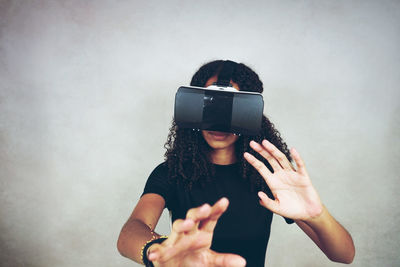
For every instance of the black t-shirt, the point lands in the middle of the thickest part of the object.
(243, 229)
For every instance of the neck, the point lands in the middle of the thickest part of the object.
(224, 156)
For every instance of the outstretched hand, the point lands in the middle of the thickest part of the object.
(295, 196)
(190, 241)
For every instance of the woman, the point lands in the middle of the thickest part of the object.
(222, 195)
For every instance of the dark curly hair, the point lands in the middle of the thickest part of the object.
(187, 154)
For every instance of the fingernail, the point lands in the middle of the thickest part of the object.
(242, 262)
(152, 256)
(267, 142)
(248, 155)
(224, 199)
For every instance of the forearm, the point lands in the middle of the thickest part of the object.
(331, 237)
(133, 237)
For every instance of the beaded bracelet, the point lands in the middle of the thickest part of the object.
(146, 246)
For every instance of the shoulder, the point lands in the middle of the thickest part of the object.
(158, 180)
(159, 173)
(160, 183)
(160, 169)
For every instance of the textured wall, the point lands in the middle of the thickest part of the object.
(86, 99)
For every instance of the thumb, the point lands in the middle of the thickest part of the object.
(227, 260)
(154, 252)
(268, 203)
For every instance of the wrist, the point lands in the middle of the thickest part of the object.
(316, 215)
(145, 249)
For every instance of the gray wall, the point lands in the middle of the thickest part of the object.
(86, 99)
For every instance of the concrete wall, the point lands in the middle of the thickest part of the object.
(86, 99)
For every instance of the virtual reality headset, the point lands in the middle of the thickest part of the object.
(220, 107)
(217, 108)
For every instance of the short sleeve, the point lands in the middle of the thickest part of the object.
(158, 183)
(288, 221)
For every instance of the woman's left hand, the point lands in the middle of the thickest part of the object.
(295, 196)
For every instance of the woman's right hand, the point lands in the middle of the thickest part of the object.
(190, 241)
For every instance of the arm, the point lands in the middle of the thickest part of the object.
(190, 239)
(296, 198)
(331, 237)
(138, 229)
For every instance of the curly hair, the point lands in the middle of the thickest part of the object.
(187, 154)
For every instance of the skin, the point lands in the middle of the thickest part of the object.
(190, 239)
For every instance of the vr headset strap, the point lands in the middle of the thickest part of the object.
(225, 74)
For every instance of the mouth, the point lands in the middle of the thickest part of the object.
(218, 136)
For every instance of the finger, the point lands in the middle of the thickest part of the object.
(179, 227)
(301, 168)
(227, 260)
(161, 253)
(278, 155)
(154, 252)
(272, 205)
(268, 156)
(172, 246)
(198, 214)
(258, 165)
(216, 211)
